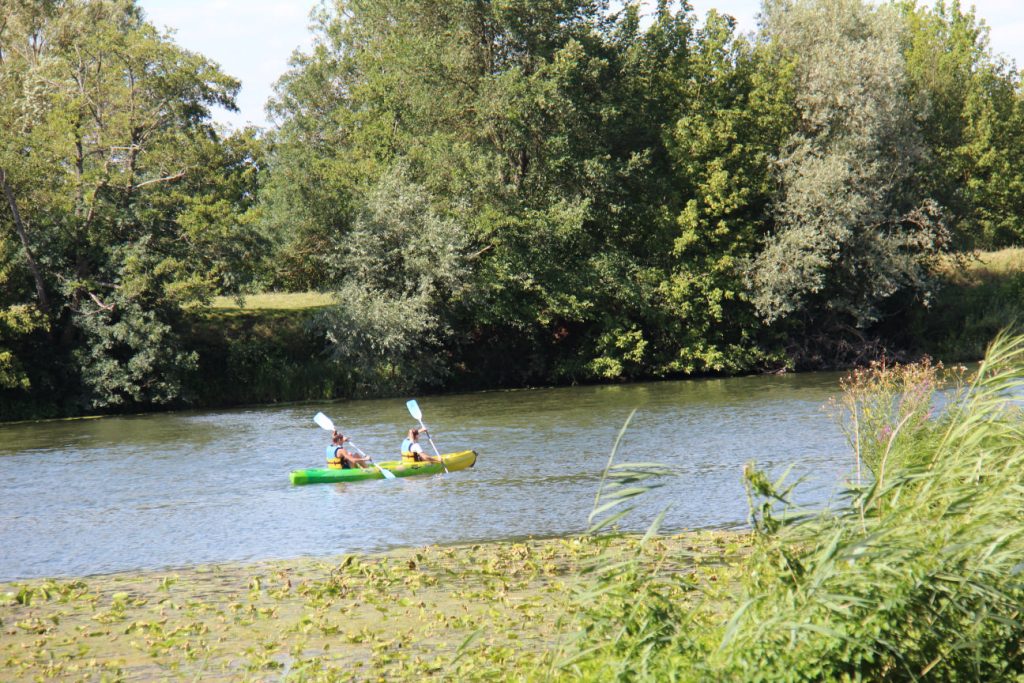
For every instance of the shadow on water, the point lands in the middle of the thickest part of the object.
(92, 496)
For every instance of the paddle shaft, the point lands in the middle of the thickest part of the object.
(436, 452)
(386, 473)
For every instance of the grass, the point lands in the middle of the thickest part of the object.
(456, 613)
(274, 301)
(979, 267)
(915, 574)
(979, 295)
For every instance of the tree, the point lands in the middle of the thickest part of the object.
(737, 113)
(403, 267)
(970, 108)
(104, 172)
(853, 227)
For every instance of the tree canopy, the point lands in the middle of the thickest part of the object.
(499, 192)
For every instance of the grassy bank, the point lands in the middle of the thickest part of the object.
(487, 610)
(980, 295)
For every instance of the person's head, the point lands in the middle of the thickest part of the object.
(337, 439)
(414, 434)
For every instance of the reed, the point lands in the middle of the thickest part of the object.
(916, 574)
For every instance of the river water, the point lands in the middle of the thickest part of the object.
(83, 497)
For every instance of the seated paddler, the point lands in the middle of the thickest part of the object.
(412, 451)
(339, 458)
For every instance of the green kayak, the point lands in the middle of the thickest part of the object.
(320, 475)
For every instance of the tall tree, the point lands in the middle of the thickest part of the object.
(853, 227)
(970, 105)
(104, 173)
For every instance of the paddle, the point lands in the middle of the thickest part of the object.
(325, 423)
(414, 410)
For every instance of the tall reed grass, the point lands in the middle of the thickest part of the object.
(917, 574)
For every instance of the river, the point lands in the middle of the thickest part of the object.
(158, 491)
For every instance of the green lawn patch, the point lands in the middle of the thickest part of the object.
(274, 301)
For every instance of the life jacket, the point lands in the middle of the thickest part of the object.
(407, 454)
(335, 461)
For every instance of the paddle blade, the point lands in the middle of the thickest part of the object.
(387, 474)
(414, 409)
(324, 422)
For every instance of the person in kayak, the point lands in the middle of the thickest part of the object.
(413, 451)
(338, 457)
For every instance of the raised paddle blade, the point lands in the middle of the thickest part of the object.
(414, 409)
(324, 422)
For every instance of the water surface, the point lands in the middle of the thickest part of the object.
(92, 496)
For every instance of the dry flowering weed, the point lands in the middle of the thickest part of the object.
(882, 401)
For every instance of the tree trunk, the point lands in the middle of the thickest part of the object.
(19, 226)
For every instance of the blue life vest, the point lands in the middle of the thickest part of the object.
(332, 451)
(406, 445)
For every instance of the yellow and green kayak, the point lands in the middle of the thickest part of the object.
(452, 462)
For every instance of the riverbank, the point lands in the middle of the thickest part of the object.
(272, 348)
(442, 612)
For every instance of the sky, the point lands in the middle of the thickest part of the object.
(253, 40)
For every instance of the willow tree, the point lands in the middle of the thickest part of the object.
(854, 227)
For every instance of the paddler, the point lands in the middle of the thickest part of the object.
(412, 451)
(338, 456)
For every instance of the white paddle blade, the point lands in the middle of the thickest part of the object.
(324, 422)
(387, 475)
(414, 409)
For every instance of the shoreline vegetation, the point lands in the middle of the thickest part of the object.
(445, 612)
(266, 348)
(266, 351)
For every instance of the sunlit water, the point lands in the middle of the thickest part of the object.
(83, 497)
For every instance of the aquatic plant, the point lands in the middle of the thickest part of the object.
(917, 574)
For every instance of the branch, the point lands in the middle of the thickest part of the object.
(96, 299)
(167, 179)
(19, 227)
(481, 252)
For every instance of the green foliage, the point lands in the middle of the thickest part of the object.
(129, 356)
(403, 268)
(970, 110)
(16, 323)
(919, 573)
(127, 204)
(596, 194)
(915, 574)
(540, 131)
(853, 229)
(738, 113)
